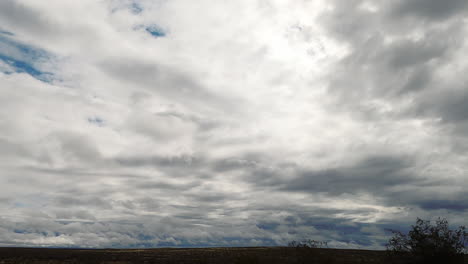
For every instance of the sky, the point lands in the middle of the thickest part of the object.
(179, 123)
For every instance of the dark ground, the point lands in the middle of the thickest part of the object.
(194, 256)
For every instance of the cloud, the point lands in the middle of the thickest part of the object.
(430, 10)
(20, 15)
(163, 81)
(373, 174)
(175, 123)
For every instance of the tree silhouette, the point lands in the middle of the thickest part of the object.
(430, 243)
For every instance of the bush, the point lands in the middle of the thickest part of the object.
(308, 244)
(430, 243)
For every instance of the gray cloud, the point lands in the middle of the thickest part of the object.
(25, 17)
(397, 61)
(66, 201)
(165, 81)
(412, 53)
(430, 10)
(449, 106)
(374, 174)
(399, 53)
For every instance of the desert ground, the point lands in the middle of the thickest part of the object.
(194, 256)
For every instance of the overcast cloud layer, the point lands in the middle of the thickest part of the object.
(226, 123)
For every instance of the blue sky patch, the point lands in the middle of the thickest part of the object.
(23, 58)
(155, 31)
(24, 67)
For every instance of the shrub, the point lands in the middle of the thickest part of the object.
(308, 244)
(430, 242)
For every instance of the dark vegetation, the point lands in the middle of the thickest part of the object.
(308, 244)
(430, 243)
